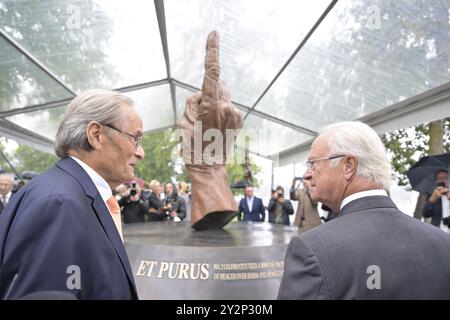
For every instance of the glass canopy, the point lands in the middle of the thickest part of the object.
(292, 67)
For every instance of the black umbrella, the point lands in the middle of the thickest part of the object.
(421, 175)
(29, 174)
(239, 185)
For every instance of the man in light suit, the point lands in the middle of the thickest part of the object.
(60, 232)
(371, 250)
(252, 207)
(6, 186)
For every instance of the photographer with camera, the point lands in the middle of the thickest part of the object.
(174, 206)
(279, 208)
(133, 207)
(307, 216)
(437, 206)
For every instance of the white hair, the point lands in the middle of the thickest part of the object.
(361, 141)
(103, 106)
(7, 175)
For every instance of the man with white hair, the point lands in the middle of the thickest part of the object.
(6, 186)
(371, 250)
(62, 231)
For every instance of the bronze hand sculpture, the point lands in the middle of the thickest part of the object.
(210, 116)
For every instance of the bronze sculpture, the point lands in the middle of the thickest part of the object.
(210, 113)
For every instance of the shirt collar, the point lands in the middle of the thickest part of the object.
(8, 195)
(100, 183)
(362, 194)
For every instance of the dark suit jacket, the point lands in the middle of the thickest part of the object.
(1, 203)
(333, 261)
(286, 210)
(156, 203)
(133, 211)
(57, 235)
(258, 211)
(433, 211)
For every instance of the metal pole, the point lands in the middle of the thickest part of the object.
(12, 167)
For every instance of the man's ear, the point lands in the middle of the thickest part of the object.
(350, 167)
(94, 132)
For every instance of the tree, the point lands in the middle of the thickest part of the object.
(29, 159)
(3, 164)
(158, 163)
(65, 38)
(406, 146)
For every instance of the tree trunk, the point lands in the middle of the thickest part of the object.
(436, 143)
(436, 146)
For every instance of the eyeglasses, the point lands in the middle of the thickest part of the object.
(137, 139)
(310, 163)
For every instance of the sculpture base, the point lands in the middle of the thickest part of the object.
(214, 220)
(242, 261)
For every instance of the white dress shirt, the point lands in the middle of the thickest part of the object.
(363, 194)
(250, 203)
(104, 190)
(100, 183)
(445, 212)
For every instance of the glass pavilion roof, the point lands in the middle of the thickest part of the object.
(291, 66)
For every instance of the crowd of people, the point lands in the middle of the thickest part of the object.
(142, 201)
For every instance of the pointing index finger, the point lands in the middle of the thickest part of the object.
(210, 87)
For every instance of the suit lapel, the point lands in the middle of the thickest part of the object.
(111, 231)
(246, 205)
(102, 212)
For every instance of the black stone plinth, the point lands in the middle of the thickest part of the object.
(173, 261)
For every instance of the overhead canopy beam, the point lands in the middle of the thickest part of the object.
(429, 106)
(254, 112)
(21, 135)
(161, 16)
(63, 102)
(36, 62)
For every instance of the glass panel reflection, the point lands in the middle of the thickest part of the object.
(257, 38)
(89, 44)
(365, 56)
(22, 83)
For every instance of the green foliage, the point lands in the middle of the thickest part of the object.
(236, 172)
(29, 159)
(406, 146)
(70, 39)
(157, 163)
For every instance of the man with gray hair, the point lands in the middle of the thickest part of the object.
(62, 232)
(371, 250)
(6, 186)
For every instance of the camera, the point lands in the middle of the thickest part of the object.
(133, 190)
(440, 184)
(446, 221)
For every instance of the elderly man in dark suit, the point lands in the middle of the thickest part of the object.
(371, 250)
(251, 208)
(62, 232)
